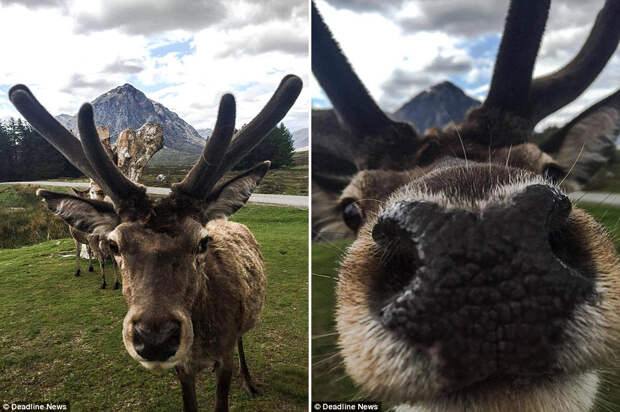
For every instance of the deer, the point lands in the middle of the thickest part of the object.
(473, 283)
(194, 282)
(93, 242)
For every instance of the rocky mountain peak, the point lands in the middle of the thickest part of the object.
(438, 105)
(127, 107)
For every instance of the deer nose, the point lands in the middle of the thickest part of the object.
(485, 288)
(156, 341)
(537, 209)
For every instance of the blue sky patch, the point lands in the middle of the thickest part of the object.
(181, 48)
(483, 46)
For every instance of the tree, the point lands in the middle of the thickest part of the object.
(277, 146)
(25, 155)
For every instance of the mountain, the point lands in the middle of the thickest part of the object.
(437, 106)
(300, 138)
(126, 106)
(205, 133)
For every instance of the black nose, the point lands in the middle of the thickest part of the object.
(485, 289)
(156, 341)
(536, 211)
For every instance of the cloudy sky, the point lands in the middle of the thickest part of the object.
(182, 53)
(399, 48)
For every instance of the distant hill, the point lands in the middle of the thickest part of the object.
(437, 106)
(300, 138)
(125, 106)
(205, 133)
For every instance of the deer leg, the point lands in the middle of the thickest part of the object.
(90, 258)
(77, 257)
(248, 385)
(101, 266)
(224, 376)
(188, 386)
(117, 284)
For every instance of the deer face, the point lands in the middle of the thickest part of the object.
(473, 281)
(160, 245)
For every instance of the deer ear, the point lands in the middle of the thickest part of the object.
(86, 215)
(230, 196)
(585, 144)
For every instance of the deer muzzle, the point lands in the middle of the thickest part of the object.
(484, 290)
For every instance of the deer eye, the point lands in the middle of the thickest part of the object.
(352, 213)
(554, 173)
(113, 247)
(202, 245)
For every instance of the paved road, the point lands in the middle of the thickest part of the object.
(258, 198)
(612, 199)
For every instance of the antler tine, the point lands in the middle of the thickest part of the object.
(551, 92)
(123, 191)
(512, 74)
(51, 130)
(204, 175)
(344, 89)
(253, 133)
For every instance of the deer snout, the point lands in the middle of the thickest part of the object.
(156, 341)
(484, 291)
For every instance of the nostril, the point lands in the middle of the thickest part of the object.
(405, 221)
(542, 204)
(560, 211)
(156, 341)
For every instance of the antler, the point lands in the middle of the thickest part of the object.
(51, 130)
(122, 190)
(216, 159)
(512, 89)
(553, 91)
(253, 133)
(512, 75)
(88, 156)
(356, 109)
(203, 176)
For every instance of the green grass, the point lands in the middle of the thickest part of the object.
(291, 180)
(24, 220)
(329, 380)
(60, 336)
(608, 178)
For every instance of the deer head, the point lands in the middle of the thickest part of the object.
(160, 245)
(473, 282)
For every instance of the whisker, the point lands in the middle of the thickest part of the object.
(324, 335)
(508, 157)
(574, 163)
(456, 128)
(325, 276)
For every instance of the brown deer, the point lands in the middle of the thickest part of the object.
(93, 242)
(194, 281)
(474, 284)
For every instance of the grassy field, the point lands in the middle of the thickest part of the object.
(24, 220)
(329, 380)
(60, 336)
(608, 178)
(291, 180)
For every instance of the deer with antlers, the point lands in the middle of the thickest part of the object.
(93, 242)
(193, 281)
(473, 283)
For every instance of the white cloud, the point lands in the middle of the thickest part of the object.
(65, 65)
(396, 48)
